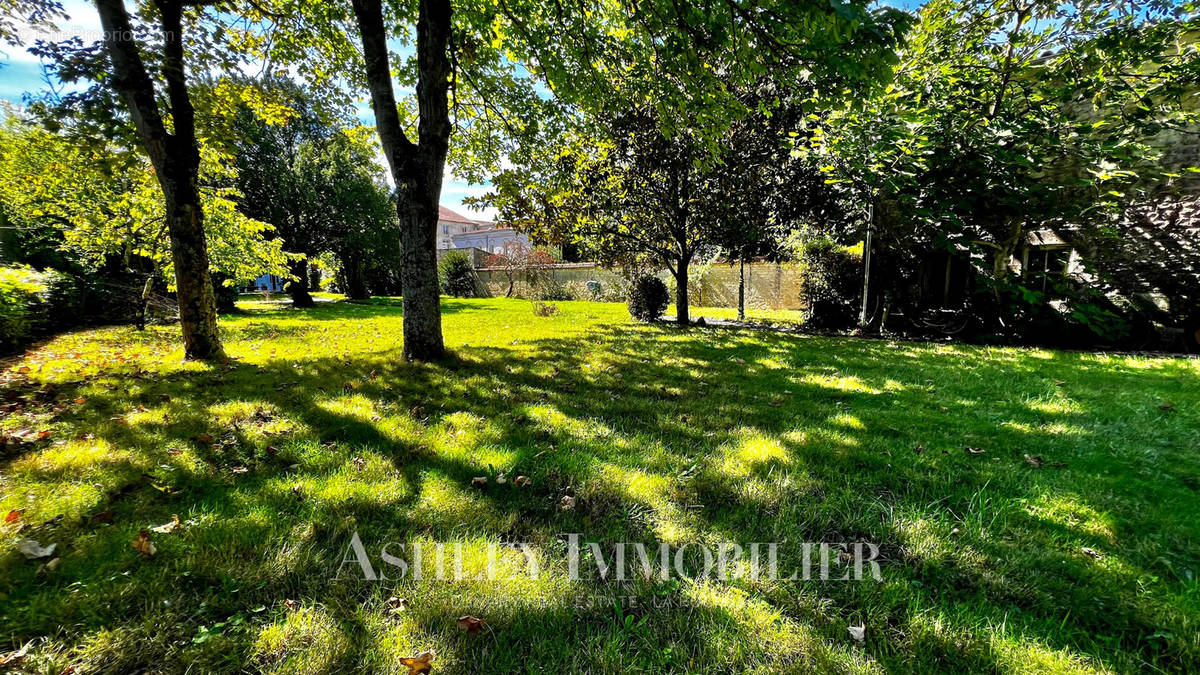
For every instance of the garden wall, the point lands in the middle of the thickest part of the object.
(768, 285)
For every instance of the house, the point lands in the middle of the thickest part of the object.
(450, 223)
(491, 239)
(267, 282)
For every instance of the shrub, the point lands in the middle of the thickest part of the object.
(457, 275)
(830, 282)
(550, 290)
(544, 308)
(22, 306)
(648, 298)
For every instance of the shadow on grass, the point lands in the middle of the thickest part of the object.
(704, 436)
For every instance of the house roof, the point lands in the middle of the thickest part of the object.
(446, 215)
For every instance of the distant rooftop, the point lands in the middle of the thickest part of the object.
(450, 216)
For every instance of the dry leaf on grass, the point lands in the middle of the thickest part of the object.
(471, 624)
(975, 451)
(143, 544)
(1035, 461)
(292, 605)
(13, 659)
(1092, 552)
(418, 664)
(479, 482)
(567, 503)
(32, 550)
(205, 438)
(167, 528)
(522, 481)
(397, 605)
(13, 516)
(859, 633)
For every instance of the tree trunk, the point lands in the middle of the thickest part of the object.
(741, 288)
(681, 293)
(416, 168)
(356, 281)
(176, 160)
(298, 289)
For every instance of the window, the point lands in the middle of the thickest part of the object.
(445, 229)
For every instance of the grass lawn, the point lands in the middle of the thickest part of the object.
(316, 430)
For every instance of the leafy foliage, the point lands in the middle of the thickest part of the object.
(457, 275)
(831, 281)
(648, 298)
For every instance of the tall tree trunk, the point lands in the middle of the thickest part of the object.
(417, 168)
(741, 288)
(299, 289)
(176, 160)
(681, 293)
(356, 281)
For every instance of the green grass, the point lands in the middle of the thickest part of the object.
(319, 430)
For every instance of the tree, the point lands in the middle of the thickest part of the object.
(312, 173)
(518, 261)
(175, 156)
(417, 168)
(1009, 115)
(100, 203)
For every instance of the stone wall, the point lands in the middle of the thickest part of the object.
(768, 285)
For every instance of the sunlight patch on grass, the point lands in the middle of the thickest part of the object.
(750, 452)
(307, 640)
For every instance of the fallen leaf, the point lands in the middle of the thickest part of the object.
(33, 550)
(12, 659)
(105, 516)
(418, 664)
(479, 482)
(143, 544)
(859, 633)
(1034, 460)
(955, 532)
(204, 438)
(1059, 383)
(1092, 552)
(81, 400)
(567, 503)
(471, 624)
(170, 527)
(1166, 407)
(239, 469)
(975, 451)
(397, 604)
(292, 605)
(522, 481)
(359, 462)
(50, 566)
(919, 449)
(13, 516)
(272, 450)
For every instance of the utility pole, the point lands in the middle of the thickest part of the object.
(862, 317)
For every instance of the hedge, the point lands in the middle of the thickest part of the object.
(35, 303)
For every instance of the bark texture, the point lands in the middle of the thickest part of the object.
(416, 167)
(176, 160)
(299, 289)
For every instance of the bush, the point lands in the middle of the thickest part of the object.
(648, 298)
(457, 275)
(544, 308)
(830, 282)
(22, 307)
